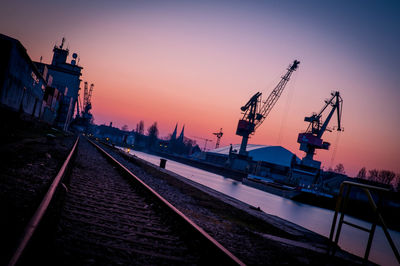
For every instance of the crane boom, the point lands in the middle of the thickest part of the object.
(254, 114)
(275, 94)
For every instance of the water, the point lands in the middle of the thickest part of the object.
(313, 218)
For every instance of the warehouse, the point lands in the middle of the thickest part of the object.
(269, 161)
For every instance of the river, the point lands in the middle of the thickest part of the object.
(313, 218)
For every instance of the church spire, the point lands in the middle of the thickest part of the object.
(173, 136)
(180, 138)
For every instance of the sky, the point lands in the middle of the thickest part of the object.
(196, 63)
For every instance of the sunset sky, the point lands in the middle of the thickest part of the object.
(196, 63)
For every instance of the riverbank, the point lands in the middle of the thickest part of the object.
(356, 208)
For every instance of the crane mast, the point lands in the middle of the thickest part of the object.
(255, 113)
(219, 136)
(312, 138)
(87, 104)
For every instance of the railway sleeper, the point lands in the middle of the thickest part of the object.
(95, 253)
(92, 219)
(142, 219)
(102, 239)
(95, 200)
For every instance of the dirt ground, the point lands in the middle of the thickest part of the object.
(31, 155)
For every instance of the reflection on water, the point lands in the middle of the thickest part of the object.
(313, 218)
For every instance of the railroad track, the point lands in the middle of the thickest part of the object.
(110, 217)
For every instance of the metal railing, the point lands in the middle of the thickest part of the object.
(341, 204)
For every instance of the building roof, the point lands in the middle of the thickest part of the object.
(24, 54)
(270, 154)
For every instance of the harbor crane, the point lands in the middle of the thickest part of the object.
(312, 138)
(87, 98)
(255, 111)
(205, 142)
(219, 136)
(84, 118)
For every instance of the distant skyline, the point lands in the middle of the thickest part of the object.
(197, 63)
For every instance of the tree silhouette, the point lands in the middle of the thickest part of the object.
(373, 174)
(339, 169)
(362, 173)
(140, 127)
(386, 177)
(152, 133)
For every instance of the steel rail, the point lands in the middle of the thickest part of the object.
(204, 235)
(38, 215)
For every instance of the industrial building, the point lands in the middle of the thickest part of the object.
(48, 92)
(65, 77)
(266, 161)
(113, 135)
(22, 86)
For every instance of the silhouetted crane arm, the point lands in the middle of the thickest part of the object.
(274, 96)
(339, 113)
(336, 106)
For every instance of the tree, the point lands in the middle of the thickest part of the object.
(139, 134)
(152, 133)
(362, 173)
(373, 175)
(386, 177)
(339, 169)
(140, 127)
(381, 176)
(398, 183)
(124, 128)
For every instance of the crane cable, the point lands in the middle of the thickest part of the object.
(287, 107)
(335, 147)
